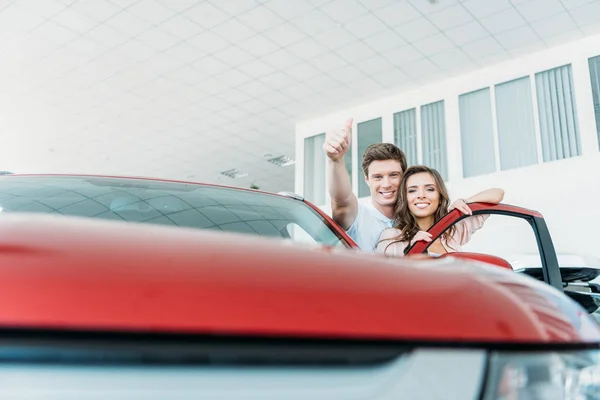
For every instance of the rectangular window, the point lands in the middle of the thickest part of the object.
(433, 134)
(405, 134)
(369, 132)
(516, 127)
(595, 77)
(314, 169)
(557, 111)
(477, 133)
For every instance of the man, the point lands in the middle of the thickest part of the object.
(383, 165)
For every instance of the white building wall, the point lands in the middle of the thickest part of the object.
(567, 192)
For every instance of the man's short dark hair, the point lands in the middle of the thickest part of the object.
(382, 152)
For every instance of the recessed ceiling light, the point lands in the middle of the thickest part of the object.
(234, 173)
(282, 161)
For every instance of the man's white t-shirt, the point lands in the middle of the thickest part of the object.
(367, 226)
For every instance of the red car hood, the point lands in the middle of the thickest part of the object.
(82, 274)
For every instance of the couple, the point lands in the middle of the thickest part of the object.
(405, 202)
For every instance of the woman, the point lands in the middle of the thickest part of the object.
(422, 201)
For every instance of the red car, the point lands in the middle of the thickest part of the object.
(123, 288)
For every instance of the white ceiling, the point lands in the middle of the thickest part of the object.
(189, 88)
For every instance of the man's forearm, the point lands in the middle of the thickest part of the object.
(339, 184)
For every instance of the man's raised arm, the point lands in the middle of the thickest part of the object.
(344, 204)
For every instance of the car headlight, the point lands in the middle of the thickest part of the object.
(536, 375)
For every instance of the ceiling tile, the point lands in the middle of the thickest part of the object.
(451, 17)
(374, 5)
(233, 31)
(281, 59)
(554, 25)
(307, 49)
(55, 33)
(260, 19)
(420, 68)
(335, 38)
(234, 7)
(298, 91)
(257, 69)
(450, 58)
(428, 8)
(398, 13)
(355, 52)
(503, 21)
(327, 62)
(186, 75)
(208, 42)
(591, 29)
(365, 85)
(158, 39)
(184, 53)
(176, 5)
(342, 11)
(482, 48)
(366, 25)
(151, 11)
(391, 77)
(571, 4)
(34, 10)
(384, 41)
(74, 21)
(210, 65)
(302, 71)
(207, 15)
(233, 96)
(372, 66)
(101, 11)
(86, 47)
(233, 56)
(212, 86)
(517, 38)
(483, 8)
(135, 49)
(278, 80)
(403, 54)
(321, 83)
(107, 36)
(416, 29)
(275, 98)
(433, 44)
(313, 23)
(254, 88)
(284, 34)
(587, 14)
(234, 77)
(129, 24)
(181, 27)
(466, 33)
(258, 46)
(289, 9)
(348, 73)
(539, 9)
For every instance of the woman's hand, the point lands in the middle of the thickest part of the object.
(461, 206)
(421, 235)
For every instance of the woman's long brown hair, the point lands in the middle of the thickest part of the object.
(404, 219)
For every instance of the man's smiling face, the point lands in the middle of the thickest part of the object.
(383, 180)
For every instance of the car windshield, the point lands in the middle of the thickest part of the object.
(168, 203)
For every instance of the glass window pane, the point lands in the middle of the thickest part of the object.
(314, 169)
(477, 133)
(557, 111)
(369, 132)
(516, 128)
(433, 135)
(405, 134)
(595, 78)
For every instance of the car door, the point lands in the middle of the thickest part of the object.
(510, 234)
